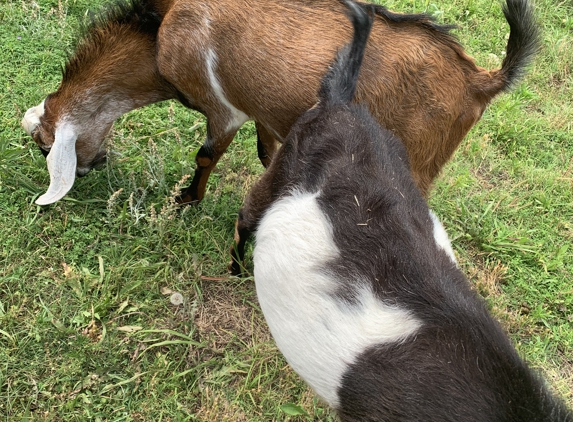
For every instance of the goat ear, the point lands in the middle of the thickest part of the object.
(62, 161)
(31, 119)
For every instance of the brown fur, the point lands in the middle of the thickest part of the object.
(113, 70)
(416, 79)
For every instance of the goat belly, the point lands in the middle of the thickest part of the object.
(319, 333)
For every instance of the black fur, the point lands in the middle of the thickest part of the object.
(417, 18)
(141, 14)
(524, 39)
(261, 152)
(339, 83)
(459, 365)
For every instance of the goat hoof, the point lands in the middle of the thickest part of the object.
(186, 199)
(235, 268)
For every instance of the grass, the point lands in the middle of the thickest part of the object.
(88, 330)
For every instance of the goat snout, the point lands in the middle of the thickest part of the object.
(97, 163)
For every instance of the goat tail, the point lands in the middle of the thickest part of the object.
(523, 43)
(339, 83)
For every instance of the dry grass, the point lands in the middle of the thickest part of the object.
(87, 327)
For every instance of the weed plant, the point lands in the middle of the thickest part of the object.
(116, 305)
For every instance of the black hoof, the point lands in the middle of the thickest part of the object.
(186, 199)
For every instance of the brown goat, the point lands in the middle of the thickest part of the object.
(235, 60)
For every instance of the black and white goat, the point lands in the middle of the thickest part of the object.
(358, 282)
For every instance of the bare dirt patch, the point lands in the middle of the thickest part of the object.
(228, 313)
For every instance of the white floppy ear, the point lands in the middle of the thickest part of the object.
(62, 161)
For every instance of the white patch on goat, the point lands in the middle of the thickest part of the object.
(441, 237)
(110, 110)
(207, 24)
(237, 116)
(31, 119)
(319, 335)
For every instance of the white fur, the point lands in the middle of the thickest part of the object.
(31, 119)
(441, 237)
(319, 335)
(62, 161)
(237, 116)
(109, 110)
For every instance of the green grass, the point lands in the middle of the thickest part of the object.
(87, 329)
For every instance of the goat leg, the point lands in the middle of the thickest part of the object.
(266, 145)
(206, 160)
(258, 200)
(242, 233)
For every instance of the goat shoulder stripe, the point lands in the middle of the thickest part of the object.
(441, 237)
(319, 335)
(237, 117)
